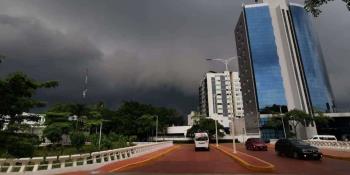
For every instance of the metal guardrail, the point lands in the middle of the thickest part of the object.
(35, 164)
(338, 145)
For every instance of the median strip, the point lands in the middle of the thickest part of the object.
(248, 161)
(143, 162)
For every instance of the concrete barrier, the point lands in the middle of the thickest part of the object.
(78, 161)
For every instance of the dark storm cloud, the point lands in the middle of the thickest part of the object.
(152, 51)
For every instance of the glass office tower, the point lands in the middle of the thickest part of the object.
(267, 70)
(312, 60)
(280, 61)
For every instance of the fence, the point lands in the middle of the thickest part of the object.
(339, 145)
(42, 164)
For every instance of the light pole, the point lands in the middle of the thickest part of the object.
(284, 129)
(99, 139)
(157, 128)
(216, 132)
(233, 135)
(226, 62)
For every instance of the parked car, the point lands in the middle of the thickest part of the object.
(329, 138)
(201, 141)
(297, 149)
(255, 144)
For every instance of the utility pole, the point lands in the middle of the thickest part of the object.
(99, 139)
(157, 129)
(226, 62)
(284, 129)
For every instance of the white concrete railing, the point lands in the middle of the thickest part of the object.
(40, 164)
(339, 145)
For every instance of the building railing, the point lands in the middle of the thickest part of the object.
(336, 145)
(48, 163)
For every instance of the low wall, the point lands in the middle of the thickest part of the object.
(66, 163)
(339, 145)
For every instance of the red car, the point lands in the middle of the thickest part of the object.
(255, 144)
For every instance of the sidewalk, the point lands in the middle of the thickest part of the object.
(343, 155)
(126, 164)
(248, 161)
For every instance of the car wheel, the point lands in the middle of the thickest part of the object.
(195, 149)
(208, 149)
(295, 155)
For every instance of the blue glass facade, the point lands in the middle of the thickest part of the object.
(312, 61)
(264, 58)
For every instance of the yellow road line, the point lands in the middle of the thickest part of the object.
(139, 163)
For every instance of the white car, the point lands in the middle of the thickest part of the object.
(201, 141)
(329, 138)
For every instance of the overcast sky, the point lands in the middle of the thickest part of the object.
(151, 51)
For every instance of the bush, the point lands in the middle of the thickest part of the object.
(21, 149)
(77, 140)
(18, 144)
(106, 143)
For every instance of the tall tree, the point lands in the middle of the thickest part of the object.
(298, 117)
(313, 6)
(16, 92)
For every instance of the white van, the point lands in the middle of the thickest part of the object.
(201, 141)
(329, 138)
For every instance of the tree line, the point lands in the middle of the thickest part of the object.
(131, 121)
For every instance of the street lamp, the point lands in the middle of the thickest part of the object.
(99, 139)
(157, 128)
(226, 62)
(216, 131)
(284, 129)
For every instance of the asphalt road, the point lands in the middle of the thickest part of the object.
(186, 160)
(286, 165)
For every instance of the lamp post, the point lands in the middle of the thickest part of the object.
(157, 128)
(216, 132)
(284, 129)
(226, 62)
(233, 135)
(99, 139)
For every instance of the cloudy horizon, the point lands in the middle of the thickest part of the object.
(150, 51)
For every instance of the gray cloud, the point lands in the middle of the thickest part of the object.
(152, 51)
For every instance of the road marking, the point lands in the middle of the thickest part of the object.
(130, 165)
(269, 168)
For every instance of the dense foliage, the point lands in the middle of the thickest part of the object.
(16, 92)
(206, 125)
(313, 6)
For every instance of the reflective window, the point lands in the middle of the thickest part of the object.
(312, 59)
(267, 71)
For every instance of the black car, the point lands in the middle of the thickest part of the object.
(297, 149)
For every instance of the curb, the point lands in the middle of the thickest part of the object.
(143, 162)
(336, 157)
(269, 168)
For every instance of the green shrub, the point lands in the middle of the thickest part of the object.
(21, 148)
(77, 140)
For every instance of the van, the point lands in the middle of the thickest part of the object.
(329, 138)
(201, 141)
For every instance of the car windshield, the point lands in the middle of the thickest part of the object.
(299, 142)
(257, 141)
(202, 138)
